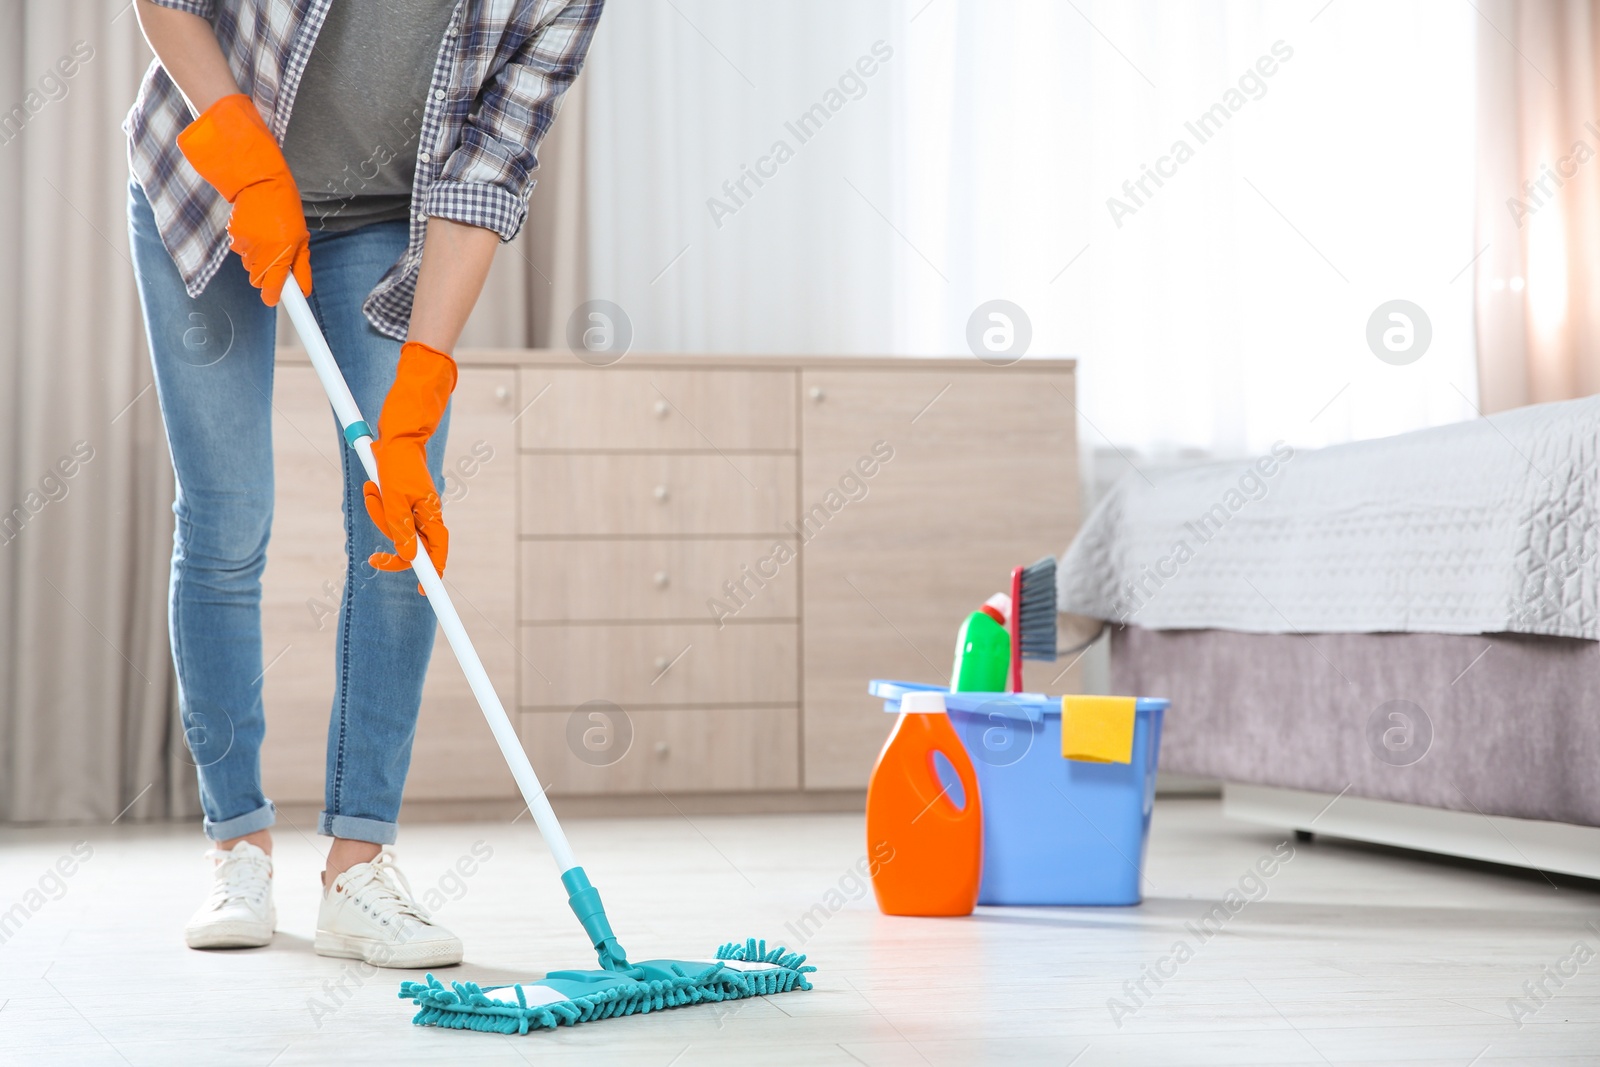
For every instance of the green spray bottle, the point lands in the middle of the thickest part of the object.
(983, 649)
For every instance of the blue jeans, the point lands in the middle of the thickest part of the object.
(213, 359)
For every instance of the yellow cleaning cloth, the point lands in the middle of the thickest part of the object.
(1097, 729)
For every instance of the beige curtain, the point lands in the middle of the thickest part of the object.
(1538, 276)
(88, 724)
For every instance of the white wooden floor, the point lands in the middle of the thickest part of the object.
(1351, 956)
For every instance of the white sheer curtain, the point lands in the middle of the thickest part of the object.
(1229, 310)
(686, 95)
(1230, 307)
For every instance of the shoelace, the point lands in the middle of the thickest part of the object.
(242, 879)
(383, 890)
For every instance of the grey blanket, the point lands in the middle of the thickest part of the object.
(1486, 526)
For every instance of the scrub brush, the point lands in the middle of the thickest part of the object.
(1033, 616)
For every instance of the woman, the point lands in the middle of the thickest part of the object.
(406, 133)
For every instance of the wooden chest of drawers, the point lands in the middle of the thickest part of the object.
(683, 570)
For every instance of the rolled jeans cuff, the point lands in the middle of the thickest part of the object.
(352, 828)
(240, 825)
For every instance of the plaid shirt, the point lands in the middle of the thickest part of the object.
(502, 70)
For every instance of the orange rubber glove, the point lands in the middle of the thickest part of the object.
(233, 150)
(408, 505)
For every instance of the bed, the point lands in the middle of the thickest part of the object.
(1395, 640)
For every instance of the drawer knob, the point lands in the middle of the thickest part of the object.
(662, 663)
(662, 494)
(662, 407)
(662, 579)
(817, 394)
(502, 394)
(661, 748)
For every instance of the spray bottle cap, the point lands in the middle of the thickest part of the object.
(922, 702)
(998, 607)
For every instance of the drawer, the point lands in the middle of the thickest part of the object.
(648, 408)
(602, 749)
(566, 495)
(654, 664)
(659, 580)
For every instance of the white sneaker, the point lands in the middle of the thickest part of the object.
(239, 911)
(368, 914)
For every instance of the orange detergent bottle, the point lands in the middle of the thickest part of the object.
(929, 848)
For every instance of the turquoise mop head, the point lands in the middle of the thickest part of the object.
(566, 998)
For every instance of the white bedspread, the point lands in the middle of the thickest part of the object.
(1479, 527)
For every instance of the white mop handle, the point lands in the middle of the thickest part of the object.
(344, 406)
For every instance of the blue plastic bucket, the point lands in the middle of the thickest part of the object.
(1055, 831)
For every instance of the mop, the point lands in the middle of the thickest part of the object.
(741, 968)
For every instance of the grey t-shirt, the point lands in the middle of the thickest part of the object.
(352, 137)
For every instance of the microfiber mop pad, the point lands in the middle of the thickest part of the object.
(566, 998)
(618, 988)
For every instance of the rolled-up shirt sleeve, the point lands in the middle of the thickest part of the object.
(487, 178)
